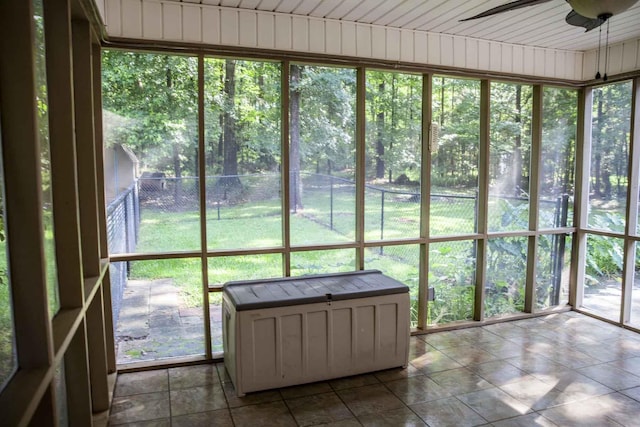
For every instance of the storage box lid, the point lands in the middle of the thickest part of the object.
(266, 293)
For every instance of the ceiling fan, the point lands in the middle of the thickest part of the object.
(588, 14)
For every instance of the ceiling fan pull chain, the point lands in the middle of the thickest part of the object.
(606, 53)
(598, 54)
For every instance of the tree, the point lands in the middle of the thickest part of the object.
(295, 184)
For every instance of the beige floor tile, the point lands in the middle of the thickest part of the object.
(263, 415)
(417, 389)
(536, 394)
(142, 382)
(447, 412)
(393, 418)
(494, 404)
(434, 361)
(193, 376)
(610, 410)
(318, 409)
(530, 420)
(459, 381)
(164, 422)
(633, 393)
(610, 376)
(219, 418)
(250, 398)
(355, 381)
(197, 399)
(369, 399)
(305, 390)
(468, 355)
(139, 407)
(498, 372)
(397, 373)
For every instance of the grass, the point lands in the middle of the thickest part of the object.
(259, 225)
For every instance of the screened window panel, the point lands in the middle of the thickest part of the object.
(243, 154)
(455, 156)
(393, 155)
(150, 117)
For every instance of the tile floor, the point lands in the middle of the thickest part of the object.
(563, 369)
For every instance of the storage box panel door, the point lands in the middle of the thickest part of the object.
(365, 335)
(292, 348)
(317, 343)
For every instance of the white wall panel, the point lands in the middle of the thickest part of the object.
(420, 44)
(172, 21)
(538, 65)
(549, 62)
(191, 23)
(113, 20)
(152, 20)
(316, 35)
(459, 52)
(471, 53)
(211, 25)
(363, 40)
(590, 65)
(219, 25)
(559, 63)
(300, 34)
(131, 18)
(378, 42)
(332, 37)
(266, 31)
(433, 48)
(446, 50)
(629, 51)
(529, 61)
(407, 48)
(506, 58)
(484, 55)
(283, 32)
(495, 57)
(569, 63)
(248, 27)
(349, 39)
(615, 60)
(229, 27)
(517, 59)
(393, 44)
(623, 58)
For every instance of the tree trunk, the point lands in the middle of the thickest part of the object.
(177, 170)
(517, 149)
(380, 167)
(230, 180)
(598, 149)
(295, 183)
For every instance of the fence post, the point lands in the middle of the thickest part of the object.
(381, 250)
(331, 202)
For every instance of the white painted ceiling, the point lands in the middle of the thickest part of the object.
(541, 25)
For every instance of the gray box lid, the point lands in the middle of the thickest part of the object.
(266, 293)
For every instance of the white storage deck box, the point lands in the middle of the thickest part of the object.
(282, 332)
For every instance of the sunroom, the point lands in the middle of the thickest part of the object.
(154, 150)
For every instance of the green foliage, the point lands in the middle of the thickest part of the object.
(150, 105)
(456, 109)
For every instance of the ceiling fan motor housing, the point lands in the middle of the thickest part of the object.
(598, 8)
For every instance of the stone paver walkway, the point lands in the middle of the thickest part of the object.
(154, 323)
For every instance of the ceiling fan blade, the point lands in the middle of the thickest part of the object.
(574, 18)
(506, 7)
